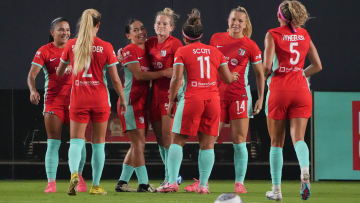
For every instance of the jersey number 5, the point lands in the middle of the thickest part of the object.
(294, 51)
(207, 59)
(86, 74)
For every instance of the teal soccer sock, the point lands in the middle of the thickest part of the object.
(74, 154)
(166, 168)
(276, 164)
(126, 173)
(174, 161)
(142, 175)
(52, 158)
(302, 153)
(97, 162)
(83, 159)
(206, 161)
(240, 161)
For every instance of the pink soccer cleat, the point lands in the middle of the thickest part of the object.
(240, 188)
(51, 187)
(202, 190)
(169, 188)
(192, 187)
(81, 187)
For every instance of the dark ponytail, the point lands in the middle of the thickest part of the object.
(53, 25)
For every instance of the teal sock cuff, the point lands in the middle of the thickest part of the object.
(98, 146)
(276, 164)
(302, 153)
(206, 162)
(77, 141)
(142, 175)
(55, 142)
(239, 146)
(126, 172)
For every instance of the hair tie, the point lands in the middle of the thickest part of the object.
(191, 38)
(292, 27)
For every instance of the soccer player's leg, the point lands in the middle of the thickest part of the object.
(239, 113)
(53, 118)
(78, 122)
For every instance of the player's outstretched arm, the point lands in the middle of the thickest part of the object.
(315, 66)
(60, 71)
(226, 75)
(139, 75)
(268, 53)
(116, 83)
(260, 85)
(175, 83)
(34, 94)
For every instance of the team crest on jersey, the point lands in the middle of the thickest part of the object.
(159, 65)
(234, 62)
(242, 52)
(163, 53)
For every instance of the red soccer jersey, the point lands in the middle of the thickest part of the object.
(89, 87)
(48, 58)
(135, 89)
(201, 63)
(288, 63)
(239, 53)
(162, 57)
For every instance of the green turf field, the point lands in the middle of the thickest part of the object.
(322, 192)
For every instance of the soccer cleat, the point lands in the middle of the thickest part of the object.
(97, 190)
(305, 191)
(73, 183)
(146, 188)
(162, 185)
(240, 188)
(193, 186)
(169, 188)
(51, 187)
(271, 195)
(202, 190)
(123, 186)
(81, 187)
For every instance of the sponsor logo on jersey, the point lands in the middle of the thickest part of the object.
(139, 58)
(86, 83)
(218, 46)
(202, 84)
(52, 59)
(286, 69)
(242, 52)
(234, 62)
(163, 53)
(258, 56)
(141, 119)
(159, 65)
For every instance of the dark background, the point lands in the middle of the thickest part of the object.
(25, 27)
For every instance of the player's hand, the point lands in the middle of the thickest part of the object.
(119, 56)
(170, 109)
(34, 97)
(122, 105)
(258, 106)
(167, 72)
(235, 76)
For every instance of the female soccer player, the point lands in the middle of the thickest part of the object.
(236, 104)
(289, 96)
(196, 67)
(161, 49)
(134, 122)
(90, 57)
(56, 98)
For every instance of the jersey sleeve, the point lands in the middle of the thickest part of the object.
(178, 59)
(130, 56)
(39, 58)
(111, 59)
(255, 54)
(65, 56)
(222, 58)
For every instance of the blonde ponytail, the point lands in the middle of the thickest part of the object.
(85, 39)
